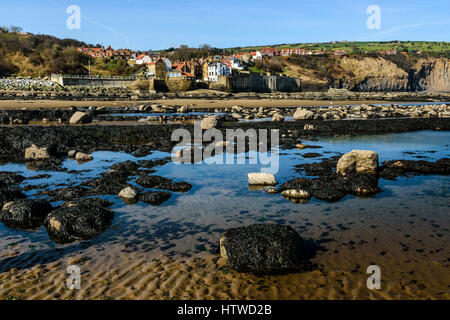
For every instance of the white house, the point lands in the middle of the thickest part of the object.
(217, 69)
(143, 59)
(236, 64)
(256, 55)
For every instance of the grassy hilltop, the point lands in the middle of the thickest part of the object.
(428, 47)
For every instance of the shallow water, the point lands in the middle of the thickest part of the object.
(220, 198)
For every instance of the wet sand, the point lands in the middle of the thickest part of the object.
(119, 272)
(193, 103)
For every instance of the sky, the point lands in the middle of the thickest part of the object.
(154, 25)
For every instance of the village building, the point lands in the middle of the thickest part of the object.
(256, 55)
(266, 51)
(216, 70)
(233, 63)
(340, 52)
(143, 59)
(158, 69)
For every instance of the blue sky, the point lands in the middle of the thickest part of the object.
(145, 25)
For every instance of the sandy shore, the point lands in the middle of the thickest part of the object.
(118, 273)
(194, 103)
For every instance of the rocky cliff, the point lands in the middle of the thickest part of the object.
(430, 75)
(381, 75)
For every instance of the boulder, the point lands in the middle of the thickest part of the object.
(209, 123)
(262, 249)
(78, 221)
(71, 153)
(277, 117)
(303, 114)
(359, 161)
(129, 193)
(80, 117)
(37, 153)
(261, 179)
(182, 109)
(82, 157)
(25, 213)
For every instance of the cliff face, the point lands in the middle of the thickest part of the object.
(431, 75)
(379, 74)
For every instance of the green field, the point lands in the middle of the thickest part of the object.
(362, 47)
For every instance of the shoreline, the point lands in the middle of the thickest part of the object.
(192, 103)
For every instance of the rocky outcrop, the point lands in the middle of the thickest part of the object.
(262, 249)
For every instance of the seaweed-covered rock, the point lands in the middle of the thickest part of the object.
(78, 220)
(129, 166)
(26, 213)
(89, 201)
(262, 249)
(8, 195)
(66, 194)
(395, 168)
(299, 183)
(149, 164)
(11, 178)
(155, 197)
(158, 182)
(111, 182)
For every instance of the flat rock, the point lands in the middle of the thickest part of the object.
(261, 179)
